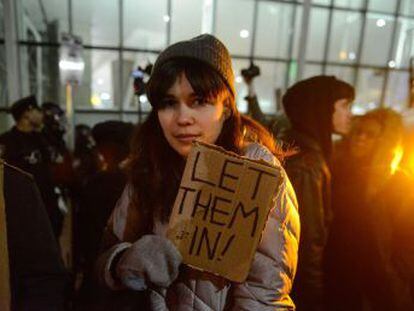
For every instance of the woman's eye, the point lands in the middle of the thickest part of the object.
(200, 102)
(167, 103)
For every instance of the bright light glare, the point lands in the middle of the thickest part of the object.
(244, 33)
(351, 55)
(381, 22)
(71, 65)
(105, 96)
(398, 154)
(96, 101)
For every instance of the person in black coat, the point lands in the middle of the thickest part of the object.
(37, 275)
(316, 108)
(24, 147)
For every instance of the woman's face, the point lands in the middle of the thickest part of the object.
(364, 137)
(184, 116)
(341, 118)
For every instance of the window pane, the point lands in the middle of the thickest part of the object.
(132, 61)
(93, 118)
(317, 34)
(352, 4)
(6, 122)
(186, 19)
(145, 24)
(234, 24)
(101, 83)
(132, 118)
(277, 17)
(377, 39)
(368, 90)
(96, 21)
(404, 43)
(397, 90)
(241, 89)
(40, 73)
(322, 2)
(1, 21)
(3, 77)
(407, 7)
(387, 6)
(311, 71)
(341, 72)
(345, 34)
(36, 26)
(272, 77)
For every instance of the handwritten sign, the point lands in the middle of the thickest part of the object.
(221, 209)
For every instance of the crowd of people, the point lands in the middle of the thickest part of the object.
(339, 232)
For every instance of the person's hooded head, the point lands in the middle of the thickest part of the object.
(318, 107)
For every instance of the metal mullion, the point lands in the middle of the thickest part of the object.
(70, 16)
(120, 57)
(328, 38)
(168, 24)
(390, 54)
(291, 44)
(254, 30)
(361, 43)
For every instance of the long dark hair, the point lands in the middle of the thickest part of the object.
(155, 169)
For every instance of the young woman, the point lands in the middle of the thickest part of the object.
(191, 90)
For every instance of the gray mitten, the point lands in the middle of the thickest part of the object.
(150, 260)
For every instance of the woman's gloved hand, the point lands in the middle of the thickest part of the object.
(150, 260)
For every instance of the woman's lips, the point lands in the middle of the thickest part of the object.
(186, 138)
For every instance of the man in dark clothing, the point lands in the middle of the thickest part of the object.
(24, 147)
(316, 108)
(37, 277)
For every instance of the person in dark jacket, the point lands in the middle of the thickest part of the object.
(316, 108)
(24, 147)
(37, 276)
(370, 200)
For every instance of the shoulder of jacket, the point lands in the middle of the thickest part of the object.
(256, 151)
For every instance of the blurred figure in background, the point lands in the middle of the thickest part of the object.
(25, 147)
(54, 130)
(369, 196)
(316, 108)
(87, 160)
(98, 197)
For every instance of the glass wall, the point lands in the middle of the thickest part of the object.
(367, 43)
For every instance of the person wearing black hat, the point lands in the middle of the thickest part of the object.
(191, 90)
(24, 147)
(316, 108)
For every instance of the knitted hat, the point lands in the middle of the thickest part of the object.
(205, 48)
(22, 105)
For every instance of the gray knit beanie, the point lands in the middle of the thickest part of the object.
(205, 48)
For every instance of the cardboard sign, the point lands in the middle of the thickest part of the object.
(221, 209)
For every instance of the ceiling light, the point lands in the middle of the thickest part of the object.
(351, 55)
(239, 79)
(166, 18)
(342, 55)
(391, 64)
(381, 22)
(244, 33)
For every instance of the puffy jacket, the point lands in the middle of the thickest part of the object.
(271, 275)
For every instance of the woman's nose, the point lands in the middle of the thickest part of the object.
(184, 115)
